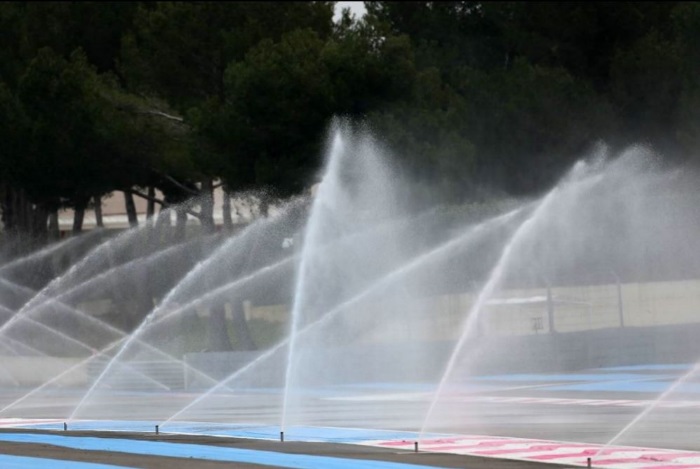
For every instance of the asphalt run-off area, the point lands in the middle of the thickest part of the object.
(533, 419)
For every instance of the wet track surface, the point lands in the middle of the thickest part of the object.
(591, 406)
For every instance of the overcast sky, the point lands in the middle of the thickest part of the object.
(358, 8)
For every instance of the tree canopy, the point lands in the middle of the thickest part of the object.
(471, 97)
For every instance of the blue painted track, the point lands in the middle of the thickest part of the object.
(654, 387)
(251, 431)
(570, 377)
(212, 453)
(25, 462)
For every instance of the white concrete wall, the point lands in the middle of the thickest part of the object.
(33, 371)
(522, 312)
(440, 318)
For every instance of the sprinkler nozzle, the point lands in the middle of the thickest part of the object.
(588, 462)
(65, 426)
(282, 437)
(156, 429)
(415, 446)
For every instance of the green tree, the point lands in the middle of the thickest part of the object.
(62, 158)
(180, 52)
(446, 35)
(686, 24)
(82, 136)
(529, 123)
(646, 85)
(95, 27)
(424, 131)
(276, 135)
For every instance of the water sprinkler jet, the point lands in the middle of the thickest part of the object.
(351, 298)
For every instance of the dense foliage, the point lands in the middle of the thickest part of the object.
(471, 97)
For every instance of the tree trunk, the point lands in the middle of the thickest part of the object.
(79, 216)
(163, 217)
(54, 230)
(21, 216)
(40, 217)
(121, 317)
(143, 295)
(226, 208)
(181, 223)
(240, 326)
(162, 221)
(130, 209)
(264, 206)
(217, 334)
(151, 207)
(6, 209)
(98, 211)
(28, 213)
(9, 209)
(21, 211)
(207, 205)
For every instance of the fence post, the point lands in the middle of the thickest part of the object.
(550, 309)
(620, 308)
